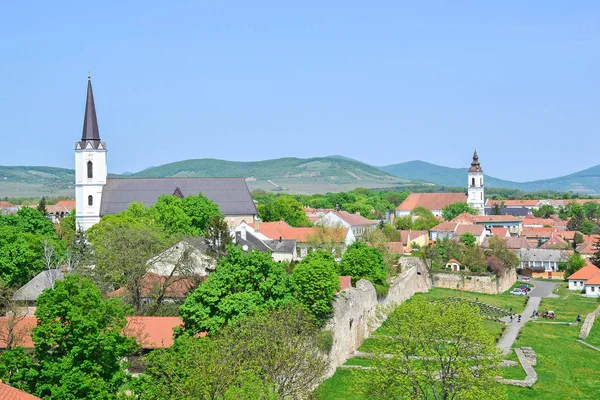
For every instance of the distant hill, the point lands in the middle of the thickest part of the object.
(585, 182)
(445, 176)
(35, 181)
(297, 174)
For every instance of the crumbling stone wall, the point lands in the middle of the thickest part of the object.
(480, 284)
(358, 311)
(588, 324)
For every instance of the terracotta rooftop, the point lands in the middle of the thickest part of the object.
(529, 221)
(585, 273)
(475, 230)
(354, 219)
(345, 282)
(445, 227)
(512, 203)
(499, 231)
(464, 218)
(6, 204)
(275, 230)
(431, 201)
(594, 280)
(10, 393)
(150, 332)
(538, 232)
(481, 219)
(452, 260)
(150, 283)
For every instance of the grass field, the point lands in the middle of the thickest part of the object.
(594, 336)
(566, 368)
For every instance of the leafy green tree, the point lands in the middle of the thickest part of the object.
(67, 228)
(439, 350)
(284, 208)
(544, 211)
(124, 250)
(425, 220)
(41, 207)
(217, 237)
(468, 239)
(496, 209)
(578, 238)
(455, 209)
(316, 282)
(270, 354)
(241, 284)
(595, 259)
(201, 210)
(587, 227)
(498, 248)
(78, 344)
(404, 223)
(574, 263)
(363, 262)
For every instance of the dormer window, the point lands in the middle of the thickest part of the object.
(90, 170)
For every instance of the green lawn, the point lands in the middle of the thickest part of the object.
(566, 368)
(569, 305)
(594, 336)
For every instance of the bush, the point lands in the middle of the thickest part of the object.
(363, 262)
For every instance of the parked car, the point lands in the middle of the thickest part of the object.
(518, 292)
(525, 288)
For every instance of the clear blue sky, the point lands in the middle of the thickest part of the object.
(391, 82)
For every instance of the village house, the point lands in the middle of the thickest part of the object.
(58, 211)
(26, 296)
(453, 265)
(280, 249)
(512, 243)
(541, 263)
(414, 238)
(343, 219)
(577, 281)
(8, 208)
(528, 205)
(513, 224)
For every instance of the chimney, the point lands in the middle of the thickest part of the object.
(280, 239)
(243, 233)
(257, 225)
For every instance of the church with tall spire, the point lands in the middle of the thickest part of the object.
(475, 188)
(90, 167)
(96, 195)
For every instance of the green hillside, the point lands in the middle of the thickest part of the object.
(36, 181)
(585, 182)
(296, 174)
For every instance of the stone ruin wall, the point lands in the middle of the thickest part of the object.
(357, 309)
(479, 284)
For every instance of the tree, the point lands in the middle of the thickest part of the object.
(424, 219)
(496, 209)
(455, 209)
(468, 239)
(544, 211)
(577, 238)
(499, 249)
(67, 228)
(78, 344)
(201, 210)
(284, 208)
(124, 251)
(403, 223)
(438, 350)
(595, 259)
(587, 227)
(330, 238)
(574, 263)
(217, 237)
(267, 355)
(42, 207)
(316, 282)
(241, 284)
(363, 262)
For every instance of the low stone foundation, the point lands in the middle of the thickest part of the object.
(525, 355)
(475, 283)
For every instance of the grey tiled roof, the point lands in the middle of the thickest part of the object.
(276, 246)
(32, 289)
(230, 194)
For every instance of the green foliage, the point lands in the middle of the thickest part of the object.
(22, 238)
(272, 354)
(241, 284)
(578, 238)
(468, 239)
(316, 282)
(41, 207)
(67, 228)
(499, 249)
(424, 219)
(544, 211)
(78, 345)
(587, 227)
(595, 259)
(284, 208)
(363, 262)
(574, 263)
(217, 237)
(455, 209)
(403, 223)
(446, 337)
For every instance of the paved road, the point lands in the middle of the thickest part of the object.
(542, 289)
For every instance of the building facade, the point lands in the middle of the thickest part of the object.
(476, 195)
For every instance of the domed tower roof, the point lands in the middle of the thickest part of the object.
(475, 166)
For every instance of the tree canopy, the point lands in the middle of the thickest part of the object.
(241, 284)
(437, 350)
(455, 209)
(285, 208)
(364, 262)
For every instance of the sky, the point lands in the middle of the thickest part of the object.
(382, 82)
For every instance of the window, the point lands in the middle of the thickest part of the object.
(90, 170)
(593, 288)
(90, 200)
(472, 181)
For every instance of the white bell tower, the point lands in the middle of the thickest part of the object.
(90, 167)
(476, 195)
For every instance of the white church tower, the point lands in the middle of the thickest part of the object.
(476, 196)
(90, 167)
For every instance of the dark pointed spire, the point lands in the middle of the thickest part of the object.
(475, 166)
(90, 123)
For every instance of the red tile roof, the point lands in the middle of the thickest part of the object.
(480, 219)
(475, 230)
(150, 283)
(585, 273)
(538, 232)
(499, 231)
(453, 261)
(21, 330)
(512, 203)
(150, 332)
(274, 230)
(594, 280)
(394, 247)
(464, 218)
(431, 201)
(445, 227)
(6, 204)
(10, 393)
(354, 219)
(528, 221)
